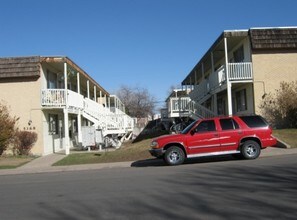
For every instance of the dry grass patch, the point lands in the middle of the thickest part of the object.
(287, 135)
(10, 162)
(128, 152)
(139, 151)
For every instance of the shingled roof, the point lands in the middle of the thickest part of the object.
(20, 67)
(273, 38)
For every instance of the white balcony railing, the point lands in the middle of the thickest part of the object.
(178, 106)
(237, 72)
(57, 98)
(93, 111)
(240, 71)
(217, 78)
(53, 97)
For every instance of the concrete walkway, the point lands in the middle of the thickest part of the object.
(44, 164)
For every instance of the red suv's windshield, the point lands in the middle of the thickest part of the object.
(189, 127)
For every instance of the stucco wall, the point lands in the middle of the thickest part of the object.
(269, 70)
(23, 99)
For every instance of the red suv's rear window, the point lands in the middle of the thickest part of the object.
(254, 121)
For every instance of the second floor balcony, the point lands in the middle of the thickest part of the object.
(104, 116)
(178, 106)
(237, 72)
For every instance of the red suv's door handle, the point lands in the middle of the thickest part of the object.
(216, 135)
(239, 132)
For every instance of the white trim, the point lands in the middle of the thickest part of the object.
(214, 154)
(78, 82)
(260, 28)
(227, 144)
(239, 30)
(204, 146)
(242, 81)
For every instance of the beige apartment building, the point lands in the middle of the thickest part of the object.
(240, 68)
(55, 98)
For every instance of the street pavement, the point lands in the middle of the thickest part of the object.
(44, 164)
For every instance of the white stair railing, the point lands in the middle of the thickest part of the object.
(106, 119)
(199, 111)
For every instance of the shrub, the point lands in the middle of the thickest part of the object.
(7, 128)
(25, 141)
(280, 108)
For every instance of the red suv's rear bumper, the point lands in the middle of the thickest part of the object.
(269, 142)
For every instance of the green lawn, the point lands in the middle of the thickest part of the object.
(287, 135)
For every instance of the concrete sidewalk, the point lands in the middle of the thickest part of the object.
(44, 164)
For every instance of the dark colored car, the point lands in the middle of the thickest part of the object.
(243, 136)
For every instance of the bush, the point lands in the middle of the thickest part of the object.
(24, 142)
(7, 128)
(280, 108)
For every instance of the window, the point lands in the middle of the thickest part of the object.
(53, 124)
(228, 124)
(254, 121)
(206, 126)
(51, 80)
(238, 55)
(241, 103)
(221, 106)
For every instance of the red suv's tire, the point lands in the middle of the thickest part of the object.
(250, 149)
(174, 156)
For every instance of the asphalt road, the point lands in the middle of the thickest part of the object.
(224, 188)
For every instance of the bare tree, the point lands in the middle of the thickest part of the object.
(138, 101)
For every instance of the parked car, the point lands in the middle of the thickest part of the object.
(243, 136)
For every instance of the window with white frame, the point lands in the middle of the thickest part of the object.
(241, 102)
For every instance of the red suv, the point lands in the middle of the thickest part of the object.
(243, 136)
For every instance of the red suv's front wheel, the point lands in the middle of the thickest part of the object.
(174, 156)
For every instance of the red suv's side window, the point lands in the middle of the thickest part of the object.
(228, 124)
(206, 126)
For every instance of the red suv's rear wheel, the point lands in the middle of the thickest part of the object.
(250, 149)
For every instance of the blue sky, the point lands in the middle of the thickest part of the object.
(148, 43)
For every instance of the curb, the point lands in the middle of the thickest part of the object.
(268, 152)
(282, 144)
(52, 169)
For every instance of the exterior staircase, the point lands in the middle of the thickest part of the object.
(197, 111)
